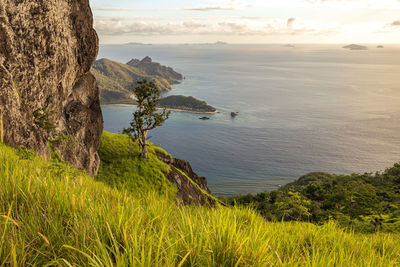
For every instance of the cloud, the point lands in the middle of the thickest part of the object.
(290, 22)
(212, 8)
(132, 9)
(388, 4)
(195, 26)
(390, 27)
(396, 23)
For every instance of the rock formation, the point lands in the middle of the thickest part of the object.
(48, 96)
(188, 192)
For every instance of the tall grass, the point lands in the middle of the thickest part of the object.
(53, 215)
(122, 167)
(1, 127)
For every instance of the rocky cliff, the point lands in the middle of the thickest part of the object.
(48, 96)
(192, 189)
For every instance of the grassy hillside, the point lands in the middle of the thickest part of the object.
(116, 80)
(120, 158)
(156, 69)
(54, 215)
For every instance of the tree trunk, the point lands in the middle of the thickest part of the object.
(144, 145)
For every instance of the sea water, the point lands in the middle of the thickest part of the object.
(305, 109)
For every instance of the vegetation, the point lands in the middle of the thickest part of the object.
(363, 202)
(145, 117)
(44, 118)
(187, 103)
(122, 167)
(156, 69)
(116, 80)
(53, 215)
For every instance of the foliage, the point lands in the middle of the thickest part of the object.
(122, 168)
(186, 103)
(66, 218)
(44, 118)
(25, 153)
(146, 117)
(363, 202)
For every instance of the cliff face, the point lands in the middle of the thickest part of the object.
(48, 96)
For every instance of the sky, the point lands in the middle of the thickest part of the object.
(247, 21)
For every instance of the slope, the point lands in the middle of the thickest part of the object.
(116, 80)
(53, 215)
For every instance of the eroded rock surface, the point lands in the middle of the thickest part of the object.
(189, 193)
(47, 93)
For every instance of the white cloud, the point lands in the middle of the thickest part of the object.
(396, 23)
(210, 8)
(358, 3)
(290, 22)
(314, 20)
(238, 26)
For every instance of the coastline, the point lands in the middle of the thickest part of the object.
(170, 109)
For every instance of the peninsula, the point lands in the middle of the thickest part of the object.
(116, 80)
(186, 103)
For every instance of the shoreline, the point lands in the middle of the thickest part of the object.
(170, 109)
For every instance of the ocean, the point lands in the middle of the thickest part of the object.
(311, 108)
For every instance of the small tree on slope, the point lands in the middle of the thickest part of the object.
(146, 117)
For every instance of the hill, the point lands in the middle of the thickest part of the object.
(156, 69)
(362, 202)
(52, 214)
(355, 47)
(116, 80)
(186, 103)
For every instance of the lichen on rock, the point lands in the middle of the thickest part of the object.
(48, 96)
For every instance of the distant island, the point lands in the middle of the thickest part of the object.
(380, 46)
(355, 47)
(116, 80)
(216, 43)
(137, 43)
(186, 103)
(289, 45)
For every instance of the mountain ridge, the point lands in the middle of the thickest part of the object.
(116, 80)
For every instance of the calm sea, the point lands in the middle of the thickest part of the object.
(304, 109)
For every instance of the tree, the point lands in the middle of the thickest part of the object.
(146, 117)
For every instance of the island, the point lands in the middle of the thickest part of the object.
(380, 46)
(116, 80)
(186, 103)
(355, 47)
(289, 45)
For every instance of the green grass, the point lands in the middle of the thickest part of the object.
(122, 168)
(54, 215)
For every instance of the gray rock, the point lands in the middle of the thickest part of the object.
(47, 93)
